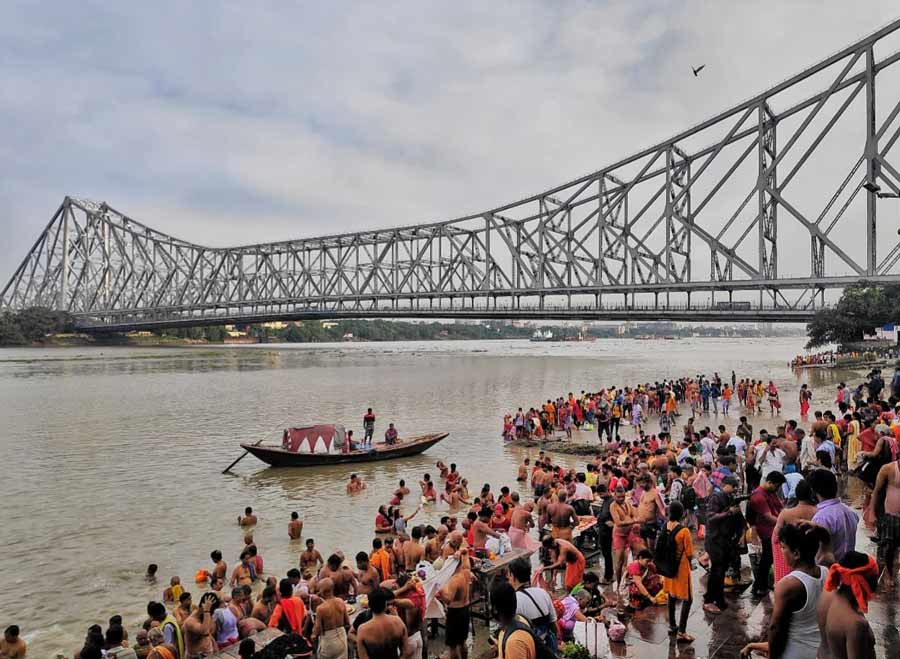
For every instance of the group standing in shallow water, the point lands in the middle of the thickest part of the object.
(652, 509)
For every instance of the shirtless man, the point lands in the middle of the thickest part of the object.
(295, 527)
(265, 605)
(442, 468)
(542, 504)
(649, 509)
(414, 551)
(241, 574)
(454, 544)
(184, 609)
(432, 548)
(367, 577)
(199, 628)
(355, 485)
(565, 555)
(342, 580)
(452, 496)
(11, 645)
(249, 519)
(562, 517)
(455, 596)
(384, 635)
(481, 529)
(311, 558)
(220, 570)
(331, 624)
(521, 518)
(427, 487)
(522, 476)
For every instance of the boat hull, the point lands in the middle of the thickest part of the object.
(278, 457)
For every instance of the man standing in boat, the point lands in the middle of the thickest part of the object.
(368, 426)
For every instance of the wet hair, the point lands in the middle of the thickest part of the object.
(248, 510)
(115, 620)
(804, 539)
(184, 597)
(211, 597)
(285, 588)
(520, 569)
(823, 483)
(402, 483)
(334, 561)
(310, 541)
(152, 568)
(503, 599)
(268, 593)
(379, 598)
(295, 515)
(12, 630)
(293, 573)
(237, 591)
(216, 555)
(156, 610)
(115, 635)
(362, 557)
(377, 543)
(91, 651)
(676, 511)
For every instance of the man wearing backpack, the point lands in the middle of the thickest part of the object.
(533, 604)
(516, 640)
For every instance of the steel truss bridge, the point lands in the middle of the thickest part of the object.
(754, 214)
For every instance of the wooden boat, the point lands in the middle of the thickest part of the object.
(324, 445)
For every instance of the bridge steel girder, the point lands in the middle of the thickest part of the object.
(606, 245)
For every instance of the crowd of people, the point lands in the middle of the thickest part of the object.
(609, 409)
(651, 509)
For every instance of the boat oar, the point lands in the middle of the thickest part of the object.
(243, 455)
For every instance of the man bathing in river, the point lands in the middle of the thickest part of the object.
(295, 527)
(311, 558)
(249, 519)
(355, 485)
(241, 574)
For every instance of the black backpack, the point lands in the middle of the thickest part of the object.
(667, 558)
(542, 651)
(687, 497)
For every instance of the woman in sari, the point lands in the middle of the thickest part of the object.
(642, 582)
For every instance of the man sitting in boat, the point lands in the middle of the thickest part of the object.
(390, 435)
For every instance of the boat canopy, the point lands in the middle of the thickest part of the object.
(324, 438)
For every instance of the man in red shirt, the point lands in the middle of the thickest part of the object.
(762, 513)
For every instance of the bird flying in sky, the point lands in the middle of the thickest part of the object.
(698, 69)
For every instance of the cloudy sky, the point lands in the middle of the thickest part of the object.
(226, 122)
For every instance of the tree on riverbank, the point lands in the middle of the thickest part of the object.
(861, 310)
(32, 325)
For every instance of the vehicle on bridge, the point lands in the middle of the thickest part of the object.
(327, 444)
(734, 306)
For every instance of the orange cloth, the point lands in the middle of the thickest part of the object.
(857, 579)
(381, 561)
(293, 609)
(574, 572)
(679, 586)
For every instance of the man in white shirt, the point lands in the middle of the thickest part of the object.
(769, 458)
(533, 604)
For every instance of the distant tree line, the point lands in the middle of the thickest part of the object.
(862, 309)
(32, 325)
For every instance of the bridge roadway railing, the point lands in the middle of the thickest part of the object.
(172, 318)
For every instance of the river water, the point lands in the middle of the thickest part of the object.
(112, 457)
